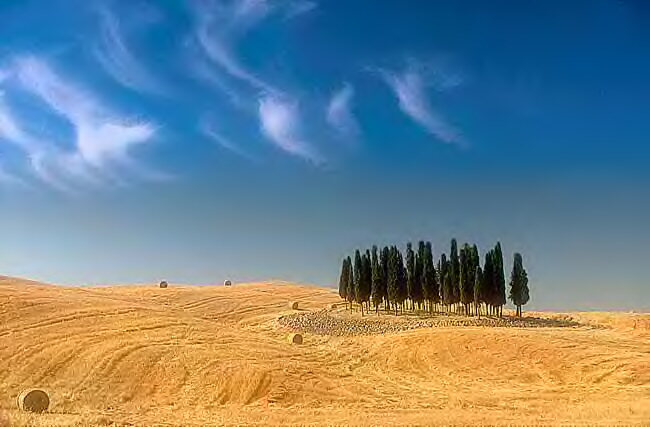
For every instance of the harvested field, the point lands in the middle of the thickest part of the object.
(208, 356)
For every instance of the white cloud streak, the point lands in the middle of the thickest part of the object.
(100, 137)
(209, 130)
(339, 111)
(280, 123)
(220, 25)
(119, 62)
(102, 140)
(410, 89)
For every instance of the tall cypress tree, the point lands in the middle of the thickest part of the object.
(454, 273)
(500, 277)
(375, 289)
(443, 276)
(366, 279)
(358, 277)
(519, 292)
(401, 280)
(487, 295)
(466, 277)
(351, 280)
(410, 273)
(478, 290)
(419, 274)
(393, 276)
(385, 255)
(343, 280)
(430, 286)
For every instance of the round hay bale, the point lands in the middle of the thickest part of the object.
(293, 305)
(333, 306)
(295, 339)
(227, 283)
(33, 400)
(163, 284)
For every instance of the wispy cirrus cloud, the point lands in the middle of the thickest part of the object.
(101, 136)
(339, 111)
(300, 7)
(280, 123)
(219, 25)
(209, 130)
(102, 140)
(218, 30)
(12, 132)
(411, 90)
(119, 61)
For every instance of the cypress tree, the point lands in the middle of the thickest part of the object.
(430, 286)
(443, 275)
(410, 273)
(500, 277)
(401, 280)
(384, 256)
(454, 273)
(487, 295)
(343, 280)
(466, 276)
(393, 276)
(476, 266)
(418, 292)
(375, 290)
(519, 292)
(350, 282)
(358, 277)
(478, 290)
(366, 279)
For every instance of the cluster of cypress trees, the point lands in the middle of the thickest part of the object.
(457, 283)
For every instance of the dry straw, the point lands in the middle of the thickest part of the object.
(33, 400)
(293, 305)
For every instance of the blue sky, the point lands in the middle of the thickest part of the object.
(195, 141)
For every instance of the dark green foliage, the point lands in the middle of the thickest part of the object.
(377, 278)
(443, 275)
(393, 276)
(431, 272)
(500, 278)
(478, 289)
(519, 292)
(487, 294)
(384, 256)
(401, 278)
(343, 280)
(418, 288)
(466, 276)
(382, 276)
(410, 271)
(350, 282)
(365, 282)
(358, 277)
(454, 273)
(430, 288)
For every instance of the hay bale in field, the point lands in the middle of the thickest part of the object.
(163, 284)
(227, 283)
(33, 400)
(333, 306)
(293, 305)
(295, 339)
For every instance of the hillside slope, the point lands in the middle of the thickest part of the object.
(217, 355)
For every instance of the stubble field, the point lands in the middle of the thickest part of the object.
(201, 356)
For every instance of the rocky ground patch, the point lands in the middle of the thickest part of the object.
(330, 323)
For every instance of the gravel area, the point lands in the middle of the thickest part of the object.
(328, 323)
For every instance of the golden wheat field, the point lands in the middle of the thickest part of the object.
(201, 356)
